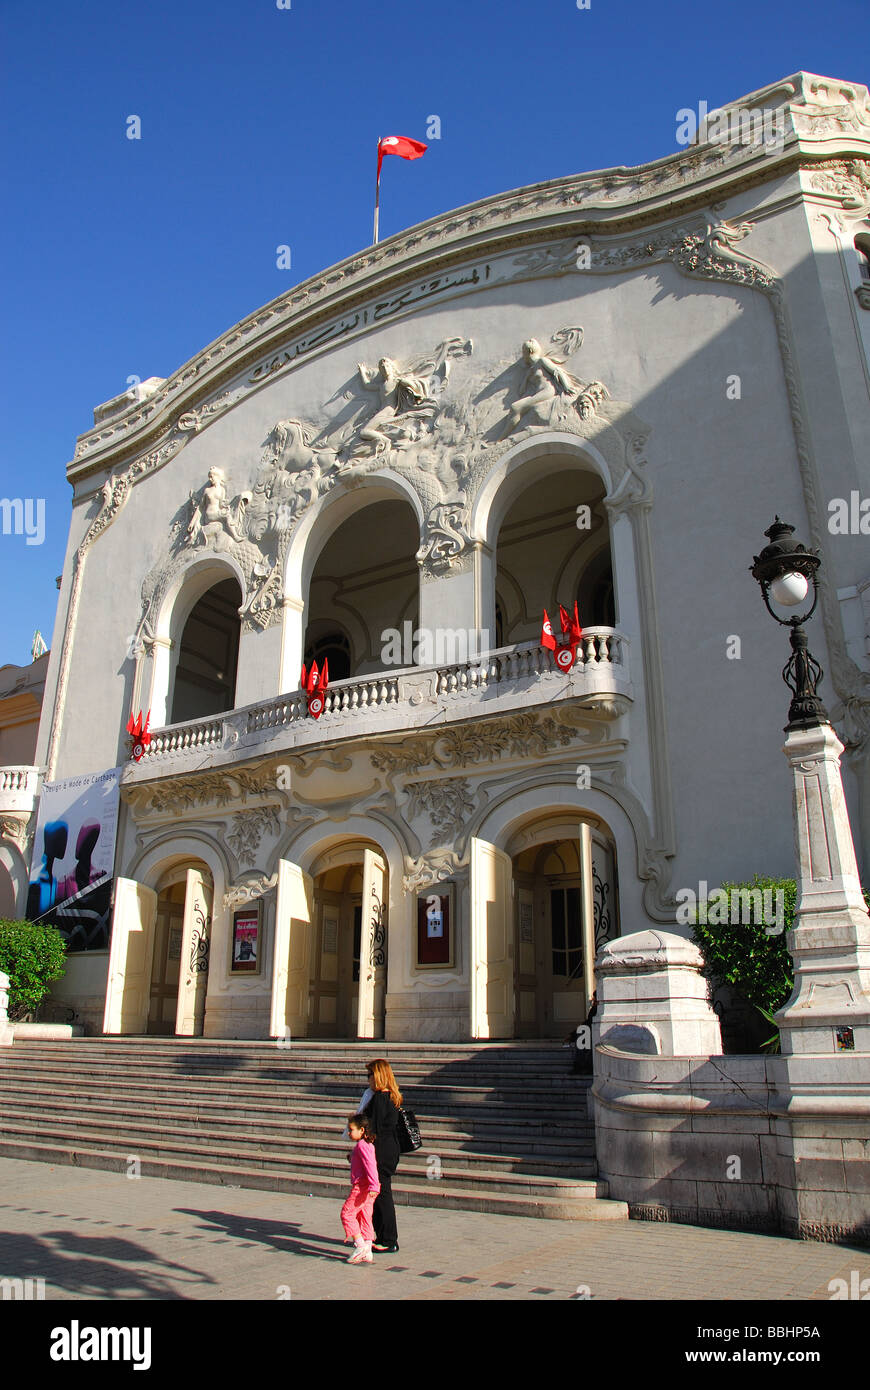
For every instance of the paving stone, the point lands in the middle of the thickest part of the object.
(75, 1232)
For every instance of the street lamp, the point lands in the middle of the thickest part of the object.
(786, 571)
(829, 1009)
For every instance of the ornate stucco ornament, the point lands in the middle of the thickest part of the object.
(215, 523)
(14, 828)
(547, 392)
(432, 867)
(447, 804)
(248, 888)
(846, 180)
(183, 794)
(248, 829)
(406, 401)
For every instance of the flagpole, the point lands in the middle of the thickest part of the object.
(377, 193)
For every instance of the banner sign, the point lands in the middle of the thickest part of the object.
(74, 856)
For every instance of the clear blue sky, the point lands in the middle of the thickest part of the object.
(259, 126)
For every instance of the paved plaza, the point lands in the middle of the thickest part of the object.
(95, 1235)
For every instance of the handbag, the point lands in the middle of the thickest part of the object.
(407, 1131)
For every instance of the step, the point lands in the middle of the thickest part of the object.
(298, 1148)
(283, 1123)
(509, 1123)
(418, 1098)
(593, 1205)
(278, 1069)
(414, 1166)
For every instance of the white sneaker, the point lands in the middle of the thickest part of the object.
(362, 1255)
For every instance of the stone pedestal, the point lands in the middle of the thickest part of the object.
(652, 997)
(829, 1010)
(6, 1030)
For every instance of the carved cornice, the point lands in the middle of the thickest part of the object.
(815, 109)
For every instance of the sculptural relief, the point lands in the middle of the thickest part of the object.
(398, 415)
(547, 392)
(214, 521)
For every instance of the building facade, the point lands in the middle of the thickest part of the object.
(601, 389)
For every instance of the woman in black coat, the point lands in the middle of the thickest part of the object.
(382, 1111)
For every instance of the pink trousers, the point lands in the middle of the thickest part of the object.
(356, 1214)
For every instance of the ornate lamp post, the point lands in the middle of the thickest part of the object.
(829, 1010)
(785, 569)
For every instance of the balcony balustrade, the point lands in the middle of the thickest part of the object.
(19, 788)
(495, 682)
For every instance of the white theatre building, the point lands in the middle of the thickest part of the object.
(602, 388)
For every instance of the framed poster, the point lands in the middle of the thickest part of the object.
(246, 940)
(435, 926)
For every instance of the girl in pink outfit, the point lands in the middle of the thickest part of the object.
(356, 1214)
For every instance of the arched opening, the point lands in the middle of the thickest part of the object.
(595, 599)
(553, 546)
(347, 985)
(208, 653)
(862, 247)
(180, 956)
(364, 583)
(330, 644)
(566, 908)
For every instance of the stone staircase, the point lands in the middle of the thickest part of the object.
(505, 1126)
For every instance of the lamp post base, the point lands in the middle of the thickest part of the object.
(829, 1010)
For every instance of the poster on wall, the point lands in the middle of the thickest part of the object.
(73, 858)
(246, 941)
(434, 935)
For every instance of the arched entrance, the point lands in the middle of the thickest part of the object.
(543, 899)
(330, 972)
(159, 953)
(565, 901)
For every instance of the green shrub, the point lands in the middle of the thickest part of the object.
(32, 955)
(741, 953)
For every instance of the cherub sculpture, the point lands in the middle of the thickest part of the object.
(213, 522)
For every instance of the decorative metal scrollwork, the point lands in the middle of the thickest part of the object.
(199, 944)
(601, 909)
(378, 955)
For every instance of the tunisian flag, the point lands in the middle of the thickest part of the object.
(400, 144)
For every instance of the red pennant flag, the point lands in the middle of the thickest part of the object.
(547, 638)
(402, 145)
(324, 675)
(566, 623)
(576, 629)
